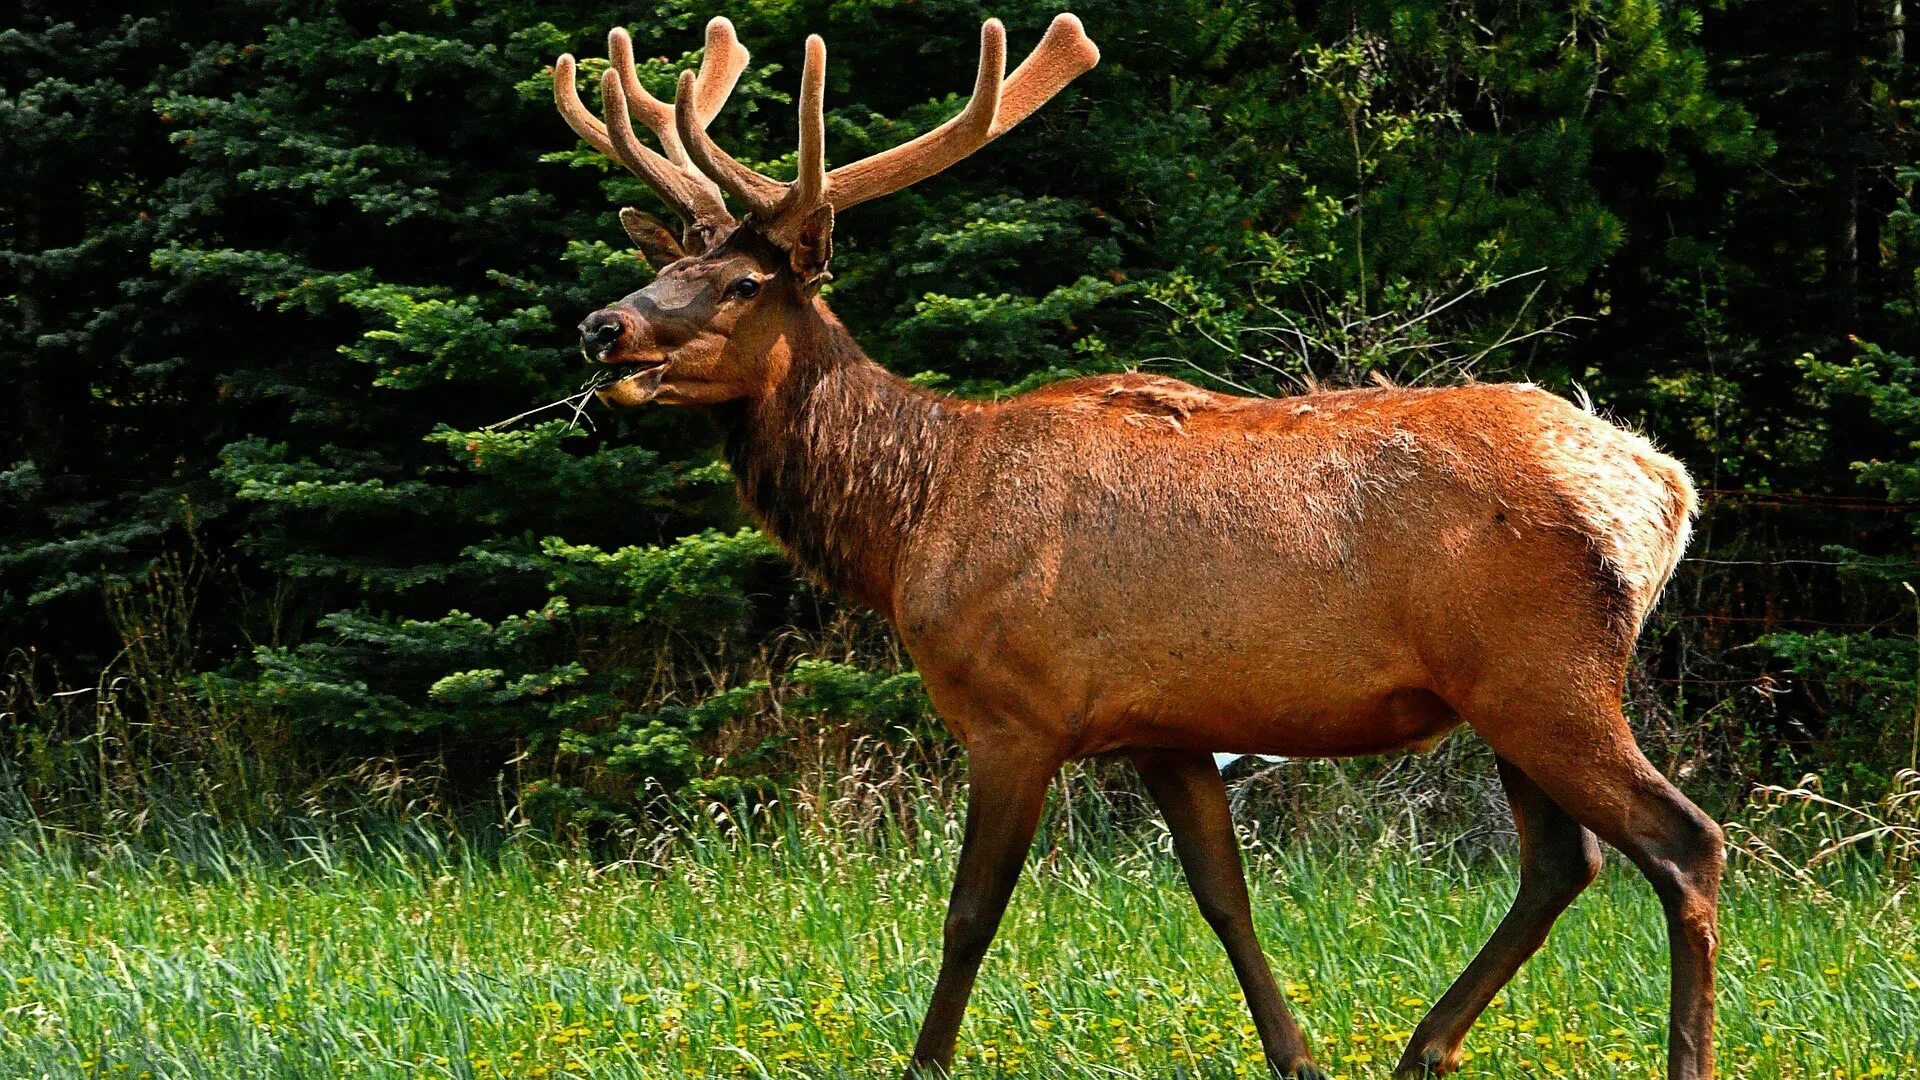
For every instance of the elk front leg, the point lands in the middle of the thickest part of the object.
(1188, 789)
(1007, 787)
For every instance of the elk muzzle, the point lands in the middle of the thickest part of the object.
(602, 331)
(648, 326)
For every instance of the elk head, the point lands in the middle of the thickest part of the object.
(715, 323)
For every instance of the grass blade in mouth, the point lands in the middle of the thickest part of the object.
(581, 399)
(576, 401)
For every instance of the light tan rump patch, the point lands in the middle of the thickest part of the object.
(1637, 503)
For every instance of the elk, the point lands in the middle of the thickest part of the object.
(1132, 565)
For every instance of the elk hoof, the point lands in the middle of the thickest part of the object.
(1427, 1064)
(1305, 1070)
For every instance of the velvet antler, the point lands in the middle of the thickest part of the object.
(691, 194)
(997, 105)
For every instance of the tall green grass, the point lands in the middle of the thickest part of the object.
(782, 947)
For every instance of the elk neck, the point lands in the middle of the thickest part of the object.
(839, 459)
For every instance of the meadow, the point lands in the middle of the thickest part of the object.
(787, 948)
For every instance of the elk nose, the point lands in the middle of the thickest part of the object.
(600, 332)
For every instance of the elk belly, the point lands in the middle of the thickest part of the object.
(1411, 719)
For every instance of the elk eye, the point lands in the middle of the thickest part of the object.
(746, 288)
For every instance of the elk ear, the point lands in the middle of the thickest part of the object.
(813, 248)
(654, 240)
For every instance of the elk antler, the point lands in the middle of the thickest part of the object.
(1063, 54)
(691, 195)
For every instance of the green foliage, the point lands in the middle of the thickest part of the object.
(1890, 385)
(1863, 685)
(272, 267)
(844, 693)
(379, 673)
(689, 586)
(1866, 682)
(658, 747)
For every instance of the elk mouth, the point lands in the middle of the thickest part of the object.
(631, 380)
(634, 364)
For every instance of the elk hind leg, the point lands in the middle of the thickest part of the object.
(1188, 790)
(1559, 858)
(1588, 764)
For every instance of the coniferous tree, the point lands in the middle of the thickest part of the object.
(273, 266)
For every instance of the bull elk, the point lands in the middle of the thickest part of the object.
(1128, 564)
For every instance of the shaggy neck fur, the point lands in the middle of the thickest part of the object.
(838, 460)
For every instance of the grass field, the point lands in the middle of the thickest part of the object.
(805, 955)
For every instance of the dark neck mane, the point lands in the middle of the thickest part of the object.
(839, 461)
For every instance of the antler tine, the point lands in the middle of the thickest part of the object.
(914, 161)
(1063, 55)
(720, 67)
(762, 195)
(657, 115)
(691, 196)
(690, 193)
(566, 96)
(720, 70)
(810, 183)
